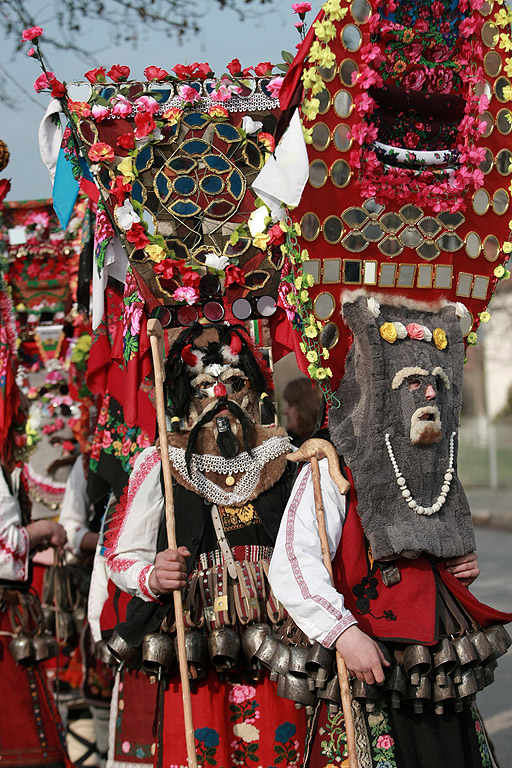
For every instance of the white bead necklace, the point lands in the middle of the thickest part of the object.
(402, 485)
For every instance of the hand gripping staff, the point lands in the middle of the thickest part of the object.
(313, 450)
(155, 334)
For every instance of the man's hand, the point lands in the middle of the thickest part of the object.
(465, 568)
(170, 572)
(46, 533)
(362, 655)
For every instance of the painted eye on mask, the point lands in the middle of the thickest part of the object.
(235, 384)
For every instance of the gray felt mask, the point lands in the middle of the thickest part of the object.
(408, 389)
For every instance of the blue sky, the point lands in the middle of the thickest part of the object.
(222, 37)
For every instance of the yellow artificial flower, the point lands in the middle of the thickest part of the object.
(324, 30)
(311, 331)
(507, 93)
(321, 373)
(388, 332)
(310, 77)
(439, 337)
(302, 347)
(308, 135)
(484, 316)
(503, 18)
(499, 271)
(311, 106)
(260, 241)
(507, 245)
(334, 10)
(304, 254)
(291, 299)
(472, 338)
(325, 353)
(312, 356)
(304, 296)
(310, 280)
(508, 67)
(297, 229)
(155, 252)
(126, 168)
(505, 42)
(298, 283)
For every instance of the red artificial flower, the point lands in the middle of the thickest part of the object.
(233, 274)
(155, 73)
(101, 152)
(276, 235)
(182, 72)
(5, 186)
(67, 445)
(126, 141)
(201, 71)
(137, 235)
(263, 68)
(48, 80)
(80, 108)
(96, 75)
(120, 189)
(234, 67)
(31, 34)
(145, 125)
(58, 88)
(189, 278)
(168, 268)
(119, 73)
(267, 140)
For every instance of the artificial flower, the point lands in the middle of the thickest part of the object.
(324, 30)
(439, 336)
(119, 73)
(260, 241)
(99, 112)
(137, 235)
(120, 189)
(172, 115)
(189, 277)
(484, 316)
(125, 215)
(189, 94)
(80, 108)
(311, 331)
(472, 338)
(201, 71)
(121, 106)
(155, 252)
(5, 186)
(126, 141)
(301, 8)
(334, 11)
(274, 87)
(48, 80)
(167, 268)
(310, 108)
(155, 73)
(388, 332)
(96, 75)
(31, 34)
(233, 274)
(267, 140)
(234, 67)
(144, 125)
(101, 152)
(216, 262)
(263, 68)
(182, 72)
(312, 356)
(218, 112)
(186, 293)
(275, 235)
(147, 104)
(126, 168)
(257, 220)
(249, 125)
(31, 52)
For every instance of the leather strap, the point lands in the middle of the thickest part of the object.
(275, 609)
(223, 542)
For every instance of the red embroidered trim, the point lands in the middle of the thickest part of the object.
(338, 628)
(120, 564)
(290, 550)
(123, 507)
(17, 556)
(142, 580)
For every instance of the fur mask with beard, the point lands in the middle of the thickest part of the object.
(400, 401)
(216, 386)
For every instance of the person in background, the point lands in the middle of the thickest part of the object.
(301, 403)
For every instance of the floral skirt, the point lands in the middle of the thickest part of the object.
(131, 741)
(235, 724)
(399, 738)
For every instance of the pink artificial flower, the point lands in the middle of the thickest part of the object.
(31, 34)
(274, 86)
(301, 7)
(121, 106)
(155, 73)
(148, 104)
(188, 94)
(99, 112)
(31, 52)
(299, 24)
(186, 293)
(468, 26)
(415, 331)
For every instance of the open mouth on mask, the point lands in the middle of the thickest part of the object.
(426, 427)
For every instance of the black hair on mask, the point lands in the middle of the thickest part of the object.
(194, 432)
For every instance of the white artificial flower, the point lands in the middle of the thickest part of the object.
(427, 333)
(461, 310)
(256, 221)
(373, 307)
(126, 216)
(216, 262)
(401, 330)
(251, 126)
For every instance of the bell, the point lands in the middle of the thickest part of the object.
(103, 654)
(497, 641)
(395, 685)
(296, 689)
(64, 625)
(224, 646)
(123, 651)
(504, 634)
(419, 694)
(319, 665)
(488, 675)
(442, 694)
(279, 661)
(21, 647)
(445, 661)
(298, 658)
(252, 639)
(267, 649)
(482, 646)
(465, 651)
(365, 693)
(45, 647)
(467, 686)
(479, 677)
(417, 663)
(157, 653)
(79, 616)
(331, 695)
(196, 653)
(48, 618)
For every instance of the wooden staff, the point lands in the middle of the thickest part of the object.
(313, 450)
(155, 334)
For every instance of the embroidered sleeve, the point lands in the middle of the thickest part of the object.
(130, 543)
(14, 542)
(297, 573)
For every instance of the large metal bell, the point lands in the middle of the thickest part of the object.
(103, 654)
(443, 694)
(468, 685)
(504, 634)
(445, 661)
(224, 646)
(482, 646)
(419, 695)
(417, 663)
(252, 639)
(319, 665)
(196, 652)
(296, 689)
(45, 647)
(123, 651)
(157, 653)
(279, 661)
(365, 693)
(267, 649)
(498, 642)
(331, 695)
(395, 685)
(298, 658)
(488, 675)
(21, 647)
(466, 652)
(48, 615)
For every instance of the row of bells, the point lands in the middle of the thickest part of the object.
(40, 644)
(453, 671)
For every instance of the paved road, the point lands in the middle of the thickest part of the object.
(494, 586)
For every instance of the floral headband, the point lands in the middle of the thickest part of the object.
(392, 331)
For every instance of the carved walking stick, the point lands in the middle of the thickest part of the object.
(313, 450)
(155, 334)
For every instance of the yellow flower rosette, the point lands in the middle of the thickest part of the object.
(388, 332)
(439, 337)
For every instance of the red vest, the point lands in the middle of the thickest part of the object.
(404, 612)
